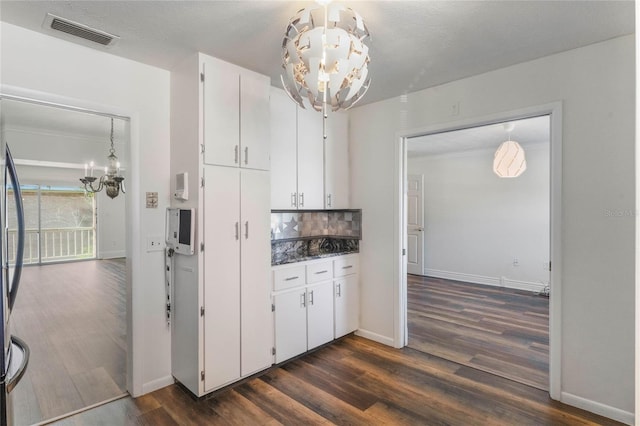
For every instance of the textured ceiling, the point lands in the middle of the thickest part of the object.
(414, 45)
(526, 132)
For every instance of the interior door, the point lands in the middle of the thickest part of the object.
(415, 225)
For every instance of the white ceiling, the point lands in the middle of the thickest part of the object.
(414, 45)
(26, 116)
(526, 132)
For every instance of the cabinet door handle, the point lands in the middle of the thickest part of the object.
(293, 199)
(329, 200)
(246, 230)
(237, 231)
(291, 278)
(236, 155)
(347, 267)
(246, 155)
(338, 290)
(311, 298)
(321, 272)
(301, 202)
(303, 300)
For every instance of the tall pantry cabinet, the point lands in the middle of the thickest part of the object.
(221, 313)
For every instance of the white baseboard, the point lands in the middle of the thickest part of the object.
(112, 254)
(481, 279)
(617, 414)
(157, 384)
(375, 337)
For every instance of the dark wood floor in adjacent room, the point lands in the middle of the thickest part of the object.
(352, 382)
(498, 330)
(73, 317)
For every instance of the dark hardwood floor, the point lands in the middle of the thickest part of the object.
(73, 317)
(353, 381)
(498, 330)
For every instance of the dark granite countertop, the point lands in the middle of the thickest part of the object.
(284, 252)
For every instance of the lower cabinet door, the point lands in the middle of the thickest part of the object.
(290, 324)
(319, 314)
(256, 332)
(221, 277)
(347, 308)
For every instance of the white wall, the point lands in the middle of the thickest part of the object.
(111, 221)
(90, 78)
(476, 223)
(595, 85)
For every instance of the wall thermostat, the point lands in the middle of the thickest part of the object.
(182, 186)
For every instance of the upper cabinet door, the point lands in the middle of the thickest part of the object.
(221, 112)
(284, 192)
(336, 171)
(310, 160)
(254, 121)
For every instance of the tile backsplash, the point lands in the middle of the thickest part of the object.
(299, 224)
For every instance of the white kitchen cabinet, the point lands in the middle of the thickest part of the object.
(315, 302)
(347, 305)
(256, 332)
(284, 151)
(290, 323)
(310, 160)
(237, 339)
(235, 107)
(222, 324)
(221, 334)
(336, 167)
(301, 179)
(303, 319)
(347, 294)
(254, 120)
(320, 329)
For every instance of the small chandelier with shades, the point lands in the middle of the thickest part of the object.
(509, 160)
(111, 181)
(325, 58)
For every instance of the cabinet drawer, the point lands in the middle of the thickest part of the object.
(319, 272)
(288, 278)
(345, 266)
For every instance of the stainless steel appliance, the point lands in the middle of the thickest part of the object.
(14, 356)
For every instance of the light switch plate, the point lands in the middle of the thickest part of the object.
(152, 200)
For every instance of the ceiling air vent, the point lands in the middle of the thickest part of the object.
(79, 30)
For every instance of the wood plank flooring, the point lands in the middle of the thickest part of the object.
(353, 381)
(497, 330)
(73, 317)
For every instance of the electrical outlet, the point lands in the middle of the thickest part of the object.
(516, 262)
(155, 243)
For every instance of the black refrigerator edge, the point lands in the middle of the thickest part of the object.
(14, 356)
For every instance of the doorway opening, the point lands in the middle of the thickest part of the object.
(72, 314)
(487, 250)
